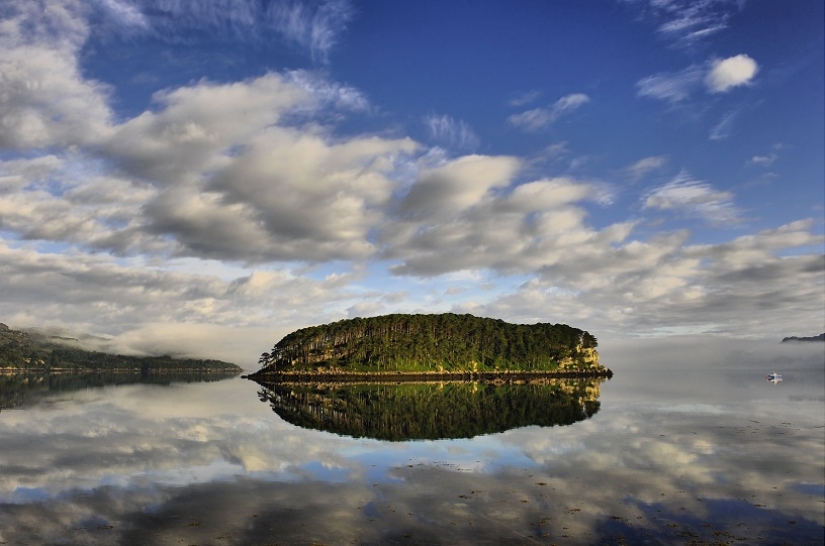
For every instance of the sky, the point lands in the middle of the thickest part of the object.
(202, 178)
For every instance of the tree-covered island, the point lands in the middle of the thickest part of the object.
(426, 345)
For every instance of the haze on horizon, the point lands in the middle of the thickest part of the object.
(184, 176)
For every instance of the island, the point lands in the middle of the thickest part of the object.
(820, 337)
(32, 352)
(35, 366)
(416, 347)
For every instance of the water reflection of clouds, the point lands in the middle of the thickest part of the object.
(213, 456)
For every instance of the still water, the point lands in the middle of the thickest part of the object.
(680, 447)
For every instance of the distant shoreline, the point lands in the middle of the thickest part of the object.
(792, 339)
(150, 371)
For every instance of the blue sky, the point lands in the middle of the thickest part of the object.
(207, 176)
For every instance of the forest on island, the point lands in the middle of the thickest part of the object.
(441, 342)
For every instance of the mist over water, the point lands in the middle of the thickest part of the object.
(690, 443)
(699, 353)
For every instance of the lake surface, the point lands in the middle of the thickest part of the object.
(687, 444)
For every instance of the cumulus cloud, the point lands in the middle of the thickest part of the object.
(716, 76)
(45, 100)
(65, 200)
(193, 175)
(451, 132)
(94, 211)
(731, 72)
(195, 127)
(305, 198)
(211, 173)
(519, 228)
(17, 174)
(745, 287)
(443, 191)
(161, 310)
(694, 198)
(539, 118)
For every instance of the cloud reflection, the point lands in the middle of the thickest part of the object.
(209, 463)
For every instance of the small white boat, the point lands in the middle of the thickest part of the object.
(773, 377)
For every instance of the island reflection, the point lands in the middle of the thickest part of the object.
(431, 411)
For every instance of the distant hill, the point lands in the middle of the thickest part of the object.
(820, 337)
(36, 352)
(442, 343)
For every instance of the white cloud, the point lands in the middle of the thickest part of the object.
(209, 173)
(326, 92)
(252, 172)
(520, 228)
(569, 103)
(693, 198)
(212, 171)
(745, 286)
(197, 126)
(457, 185)
(731, 72)
(124, 14)
(687, 22)
(296, 197)
(45, 100)
(525, 98)
(673, 87)
(312, 26)
(554, 151)
(645, 166)
(17, 174)
(763, 160)
(452, 133)
(152, 309)
(539, 118)
(718, 76)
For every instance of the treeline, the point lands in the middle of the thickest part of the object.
(426, 342)
(22, 351)
(93, 360)
(820, 337)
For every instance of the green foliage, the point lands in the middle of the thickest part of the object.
(417, 343)
(426, 411)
